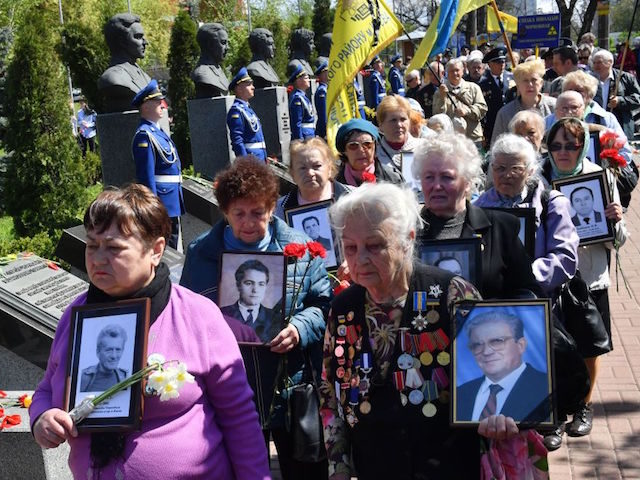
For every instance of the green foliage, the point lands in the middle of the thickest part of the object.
(46, 178)
(85, 52)
(42, 244)
(621, 17)
(93, 168)
(183, 56)
(322, 18)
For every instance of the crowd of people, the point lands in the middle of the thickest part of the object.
(467, 138)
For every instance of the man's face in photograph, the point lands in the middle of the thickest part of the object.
(109, 352)
(252, 288)
(495, 349)
(582, 202)
(311, 228)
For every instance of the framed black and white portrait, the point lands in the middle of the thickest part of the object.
(313, 220)
(108, 344)
(252, 290)
(407, 173)
(527, 232)
(589, 195)
(502, 362)
(460, 256)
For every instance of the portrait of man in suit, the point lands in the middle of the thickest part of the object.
(252, 280)
(106, 373)
(582, 202)
(508, 386)
(311, 226)
(450, 264)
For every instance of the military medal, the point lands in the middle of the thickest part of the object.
(403, 399)
(419, 303)
(365, 407)
(405, 361)
(429, 410)
(429, 392)
(426, 358)
(432, 316)
(416, 397)
(443, 358)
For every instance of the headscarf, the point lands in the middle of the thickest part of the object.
(585, 146)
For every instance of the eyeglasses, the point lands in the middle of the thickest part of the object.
(496, 344)
(567, 147)
(366, 145)
(583, 58)
(503, 170)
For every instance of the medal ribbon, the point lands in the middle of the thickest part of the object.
(419, 301)
(352, 334)
(398, 380)
(430, 390)
(426, 342)
(441, 338)
(439, 376)
(414, 378)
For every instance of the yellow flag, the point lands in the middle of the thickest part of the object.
(352, 47)
(462, 7)
(509, 22)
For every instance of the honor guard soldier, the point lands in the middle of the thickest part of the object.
(303, 120)
(377, 87)
(360, 98)
(244, 125)
(320, 99)
(157, 161)
(395, 75)
(495, 86)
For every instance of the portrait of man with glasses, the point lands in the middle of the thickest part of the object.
(508, 385)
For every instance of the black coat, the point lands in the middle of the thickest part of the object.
(629, 91)
(495, 99)
(506, 266)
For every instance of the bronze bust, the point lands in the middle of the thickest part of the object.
(301, 47)
(208, 76)
(262, 47)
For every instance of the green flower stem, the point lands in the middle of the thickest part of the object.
(126, 383)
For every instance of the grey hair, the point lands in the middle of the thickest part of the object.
(581, 79)
(378, 203)
(441, 119)
(566, 95)
(453, 146)
(512, 145)
(604, 54)
(496, 316)
(453, 62)
(111, 331)
(527, 117)
(412, 74)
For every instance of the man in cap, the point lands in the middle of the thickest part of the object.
(157, 161)
(320, 99)
(395, 75)
(494, 85)
(244, 125)
(300, 109)
(412, 79)
(377, 86)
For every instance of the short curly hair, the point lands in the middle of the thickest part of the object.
(299, 147)
(392, 103)
(535, 67)
(247, 178)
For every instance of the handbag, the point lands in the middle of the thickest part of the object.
(581, 318)
(305, 424)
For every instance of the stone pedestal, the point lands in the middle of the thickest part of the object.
(272, 107)
(115, 134)
(210, 144)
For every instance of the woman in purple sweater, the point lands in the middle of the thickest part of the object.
(211, 430)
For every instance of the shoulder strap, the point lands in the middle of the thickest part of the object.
(544, 199)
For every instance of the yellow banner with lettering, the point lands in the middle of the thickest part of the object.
(509, 22)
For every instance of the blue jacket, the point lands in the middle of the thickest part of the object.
(301, 116)
(360, 96)
(245, 131)
(395, 79)
(377, 89)
(158, 165)
(320, 100)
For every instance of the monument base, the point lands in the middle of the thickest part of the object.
(272, 107)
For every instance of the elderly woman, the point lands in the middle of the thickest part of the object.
(449, 169)
(212, 428)
(567, 141)
(468, 98)
(394, 121)
(313, 169)
(530, 125)
(356, 143)
(390, 430)
(440, 123)
(528, 77)
(247, 193)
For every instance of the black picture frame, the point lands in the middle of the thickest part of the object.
(261, 365)
(527, 233)
(599, 230)
(93, 329)
(271, 288)
(296, 217)
(467, 252)
(530, 399)
(406, 165)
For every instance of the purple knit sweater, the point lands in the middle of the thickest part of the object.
(210, 431)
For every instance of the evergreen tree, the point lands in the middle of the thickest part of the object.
(183, 55)
(322, 21)
(46, 180)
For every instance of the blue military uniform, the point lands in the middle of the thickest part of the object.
(157, 161)
(244, 125)
(377, 87)
(320, 101)
(360, 97)
(395, 77)
(300, 110)
(494, 95)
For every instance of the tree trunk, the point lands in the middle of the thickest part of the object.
(589, 14)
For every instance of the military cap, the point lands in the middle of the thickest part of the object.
(375, 60)
(324, 66)
(297, 73)
(498, 53)
(241, 76)
(395, 58)
(150, 92)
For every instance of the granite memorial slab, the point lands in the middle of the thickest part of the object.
(272, 107)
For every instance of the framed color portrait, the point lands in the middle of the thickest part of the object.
(502, 362)
(461, 256)
(589, 195)
(313, 220)
(108, 344)
(527, 232)
(407, 173)
(252, 290)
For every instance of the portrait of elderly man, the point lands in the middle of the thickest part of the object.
(252, 279)
(509, 386)
(106, 373)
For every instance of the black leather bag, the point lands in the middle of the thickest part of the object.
(305, 424)
(581, 318)
(626, 182)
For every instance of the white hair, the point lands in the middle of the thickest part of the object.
(454, 62)
(441, 119)
(527, 117)
(567, 95)
(455, 147)
(511, 145)
(412, 74)
(605, 55)
(379, 203)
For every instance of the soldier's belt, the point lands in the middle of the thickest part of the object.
(380, 95)
(255, 145)
(362, 103)
(308, 125)
(168, 178)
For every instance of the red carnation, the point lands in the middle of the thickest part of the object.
(368, 177)
(614, 159)
(608, 139)
(343, 285)
(316, 249)
(295, 250)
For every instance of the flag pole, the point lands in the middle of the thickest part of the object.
(504, 34)
(624, 52)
